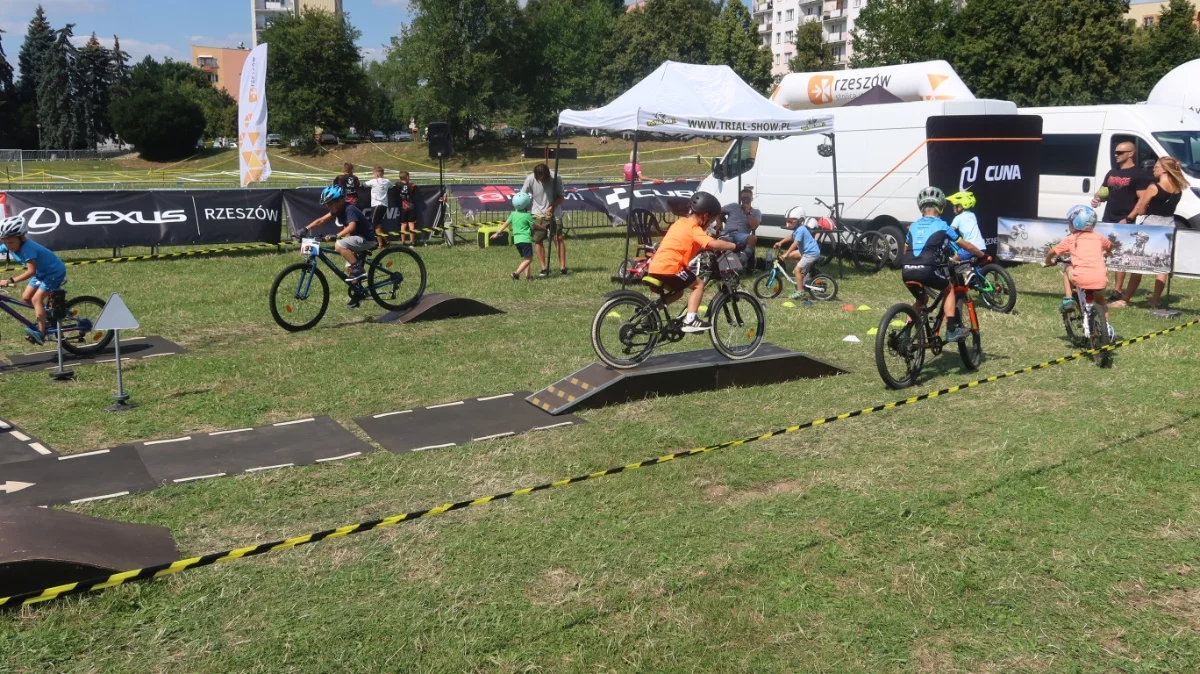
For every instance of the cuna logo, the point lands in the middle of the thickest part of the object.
(820, 89)
(991, 174)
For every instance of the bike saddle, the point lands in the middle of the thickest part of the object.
(655, 284)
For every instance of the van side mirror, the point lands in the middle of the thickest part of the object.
(716, 169)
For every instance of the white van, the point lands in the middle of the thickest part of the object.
(1078, 143)
(881, 163)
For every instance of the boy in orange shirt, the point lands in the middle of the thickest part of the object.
(1088, 251)
(684, 241)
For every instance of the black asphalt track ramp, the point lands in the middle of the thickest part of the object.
(18, 446)
(439, 306)
(132, 348)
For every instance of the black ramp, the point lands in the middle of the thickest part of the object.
(79, 478)
(18, 446)
(459, 422)
(598, 385)
(246, 450)
(131, 348)
(41, 548)
(439, 306)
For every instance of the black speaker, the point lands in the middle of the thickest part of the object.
(439, 140)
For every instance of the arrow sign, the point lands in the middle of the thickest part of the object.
(14, 486)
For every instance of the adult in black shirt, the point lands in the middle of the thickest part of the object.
(1156, 202)
(349, 182)
(1124, 183)
(409, 199)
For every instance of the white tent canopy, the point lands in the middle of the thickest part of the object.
(683, 99)
(1180, 87)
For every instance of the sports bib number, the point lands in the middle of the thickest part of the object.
(310, 247)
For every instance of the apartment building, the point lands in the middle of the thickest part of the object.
(262, 12)
(778, 21)
(223, 66)
(1145, 13)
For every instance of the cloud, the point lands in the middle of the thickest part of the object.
(137, 49)
(375, 53)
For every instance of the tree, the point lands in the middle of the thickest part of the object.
(676, 30)
(811, 53)
(571, 48)
(92, 97)
(889, 32)
(118, 70)
(1157, 49)
(736, 43)
(162, 125)
(39, 39)
(8, 101)
(314, 76)
(178, 77)
(55, 94)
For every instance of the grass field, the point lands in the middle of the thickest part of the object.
(1044, 523)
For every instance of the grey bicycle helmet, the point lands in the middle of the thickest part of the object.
(931, 196)
(14, 226)
(703, 202)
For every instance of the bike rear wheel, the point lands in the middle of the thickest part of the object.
(971, 348)
(824, 288)
(900, 348)
(625, 330)
(738, 323)
(299, 297)
(396, 278)
(79, 335)
(1002, 296)
(869, 252)
(768, 285)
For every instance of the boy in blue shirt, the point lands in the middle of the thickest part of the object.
(927, 249)
(48, 273)
(804, 249)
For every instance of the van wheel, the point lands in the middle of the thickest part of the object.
(894, 237)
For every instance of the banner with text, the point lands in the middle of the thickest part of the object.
(303, 206)
(252, 118)
(1144, 248)
(66, 220)
(611, 199)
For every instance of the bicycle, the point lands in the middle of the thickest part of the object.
(390, 275)
(994, 284)
(920, 330)
(79, 317)
(1086, 325)
(630, 325)
(869, 251)
(769, 284)
(1018, 231)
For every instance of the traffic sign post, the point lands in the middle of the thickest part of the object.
(61, 374)
(117, 317)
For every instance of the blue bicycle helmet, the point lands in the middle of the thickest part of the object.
(1081, 218)
(332, 193)
(522, 200)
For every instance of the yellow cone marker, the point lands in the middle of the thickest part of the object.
(863, 307)
(789, 305)
(873, 331)
(897, 324)
(615, 315)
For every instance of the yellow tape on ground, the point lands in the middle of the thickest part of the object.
(165, 256)
(150, 572)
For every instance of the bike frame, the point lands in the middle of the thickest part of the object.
(305, 282)
(6, 303)
(939, 315)
(777, 269)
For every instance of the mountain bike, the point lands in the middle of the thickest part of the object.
(869, 251)
(769, 284)
(906, 332)
(79, 316)
(630, 325)
(300, 294)
(995, 285)
(1086, 325)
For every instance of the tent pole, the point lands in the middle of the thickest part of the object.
(629, 214)
(837, 209)
(553, 185)
(737, 157)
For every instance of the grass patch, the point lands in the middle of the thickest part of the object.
(1045, 523)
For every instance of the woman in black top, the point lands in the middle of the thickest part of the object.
(1158, 200)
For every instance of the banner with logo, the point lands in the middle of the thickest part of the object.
(996, 157)
(67, 219)
(302, 206)
(252, 118)
(611, 199)
(1144, 248)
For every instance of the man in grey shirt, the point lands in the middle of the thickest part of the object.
(742, 220)
(548, 194)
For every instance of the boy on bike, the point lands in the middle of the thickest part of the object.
(356, 235)
(45, 272)
(521, 223)
(925, 258)
(804, 249)
(1088, 251)
(682, 242)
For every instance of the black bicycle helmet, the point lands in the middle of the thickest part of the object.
(705, 203)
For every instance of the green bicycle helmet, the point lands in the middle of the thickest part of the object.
(964, 199)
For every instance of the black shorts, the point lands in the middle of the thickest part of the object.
(675, 282)
(377, 215)
(525, 250)
(928, 276)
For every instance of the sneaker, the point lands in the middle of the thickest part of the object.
(357, 273)
(545, 273)
(697, 324)
(958, 334)
(516, 276)
(563, 272)
(796, 295)
(353, 303)
(1067, 306)
(1118, 304)
(35, 336)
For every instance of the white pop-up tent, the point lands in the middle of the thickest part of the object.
(1179, 88)
(683, 100)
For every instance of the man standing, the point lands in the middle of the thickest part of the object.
(1124, 186)
(548, 194)
(742, 220)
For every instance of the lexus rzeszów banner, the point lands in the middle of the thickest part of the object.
(67, 220)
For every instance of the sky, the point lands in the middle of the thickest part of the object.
(162, 28)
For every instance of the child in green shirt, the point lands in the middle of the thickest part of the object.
(521, 222)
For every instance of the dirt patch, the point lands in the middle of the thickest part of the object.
(1181, 604)
(555, 587)
(933, 656)
(725, 496)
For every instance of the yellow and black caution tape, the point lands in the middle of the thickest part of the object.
(164, 256)
(447, 228)
(160, 570)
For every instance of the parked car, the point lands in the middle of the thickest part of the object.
(509, 133)
(295, 142)
(274, 139)
(200, 144)
(328, 139)
(352, 137)
(533, 132)
(401, 137)
(378, 137)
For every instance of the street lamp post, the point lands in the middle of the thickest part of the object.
(39, 126)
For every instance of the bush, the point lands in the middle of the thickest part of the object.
(161, 125)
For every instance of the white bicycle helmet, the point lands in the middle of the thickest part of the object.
(794, 217)
(14, 226)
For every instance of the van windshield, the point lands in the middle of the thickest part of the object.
(1184, 146)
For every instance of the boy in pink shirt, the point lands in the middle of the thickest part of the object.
(1088, 251)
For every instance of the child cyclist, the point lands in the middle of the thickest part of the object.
(1088, 251)
(521, 222)
(682, 242)
(44, 271)
(356, 234)
(804, 249)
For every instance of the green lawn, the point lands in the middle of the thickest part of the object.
(1044, 523)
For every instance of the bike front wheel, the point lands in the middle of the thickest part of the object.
(299, 297)
(625, 330)
(1099, 339)
(823, 288)
(971, 348)
(900, 346)
(999, 293)
(396, 278)
(870, 252)
(738, 324)
(1073, 323)
(79, 334)
(768, 285)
